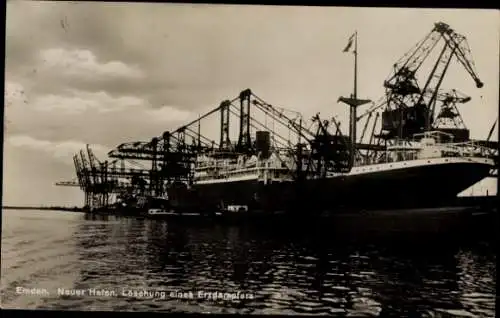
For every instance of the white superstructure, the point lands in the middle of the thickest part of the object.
(425, 149)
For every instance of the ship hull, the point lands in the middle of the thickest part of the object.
(418, 184)
(410, 184)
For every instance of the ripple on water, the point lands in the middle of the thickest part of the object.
(291, 275)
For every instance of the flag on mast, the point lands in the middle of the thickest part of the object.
(349, 43)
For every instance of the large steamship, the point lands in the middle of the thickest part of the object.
(420, 160)
(425, 172)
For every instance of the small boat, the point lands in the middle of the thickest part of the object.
(237, 208)
(159, 212)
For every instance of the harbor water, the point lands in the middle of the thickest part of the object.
(73, 261)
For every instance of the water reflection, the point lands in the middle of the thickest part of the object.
(289, 270)
(476, 284)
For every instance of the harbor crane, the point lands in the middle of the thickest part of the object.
(410, 107)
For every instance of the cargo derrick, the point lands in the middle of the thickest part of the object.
(173, 154)
(98, 180)
(312, 153)
(170, 157)
(448, 118)
(331, 152)
(225, 141)
(100, 191)
(408, 109)
(244, 144)
(494, 149)
(242, 108)
(316, 152)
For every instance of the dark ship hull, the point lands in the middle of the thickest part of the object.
(401, 185)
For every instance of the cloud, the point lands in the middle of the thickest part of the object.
(93, 117)
(168, 114)
(79, 101)
(84, 63)
(63, 151)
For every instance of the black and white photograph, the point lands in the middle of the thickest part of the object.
(250, 159)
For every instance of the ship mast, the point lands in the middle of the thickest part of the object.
(353, 101)
(352, 119)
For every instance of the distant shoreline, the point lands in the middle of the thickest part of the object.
(53, 208)
(463, 201)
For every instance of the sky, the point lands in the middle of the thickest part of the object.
(107, 73)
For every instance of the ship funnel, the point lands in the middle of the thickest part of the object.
(263, 143)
